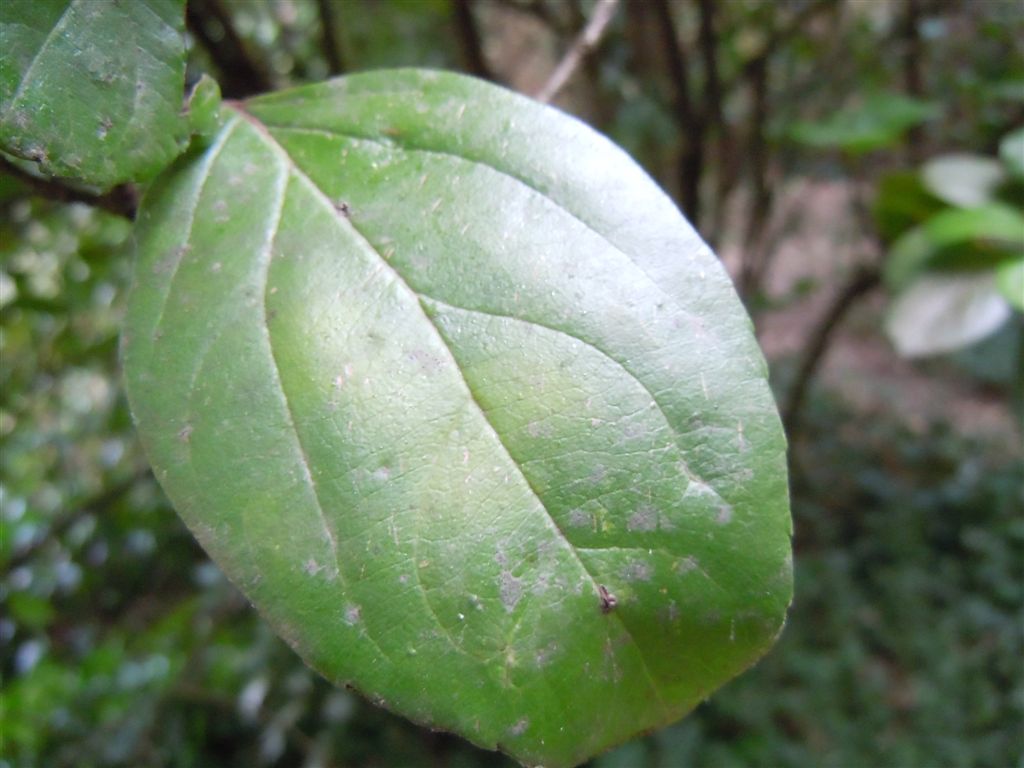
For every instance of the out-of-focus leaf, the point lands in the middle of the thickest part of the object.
(957, 239)
(963, 180)
(878, 122)
(458, 398)
(204, 114)
(942, 313)
(902, 202)
(1010, 279)
(91, 89)
(1011, 151)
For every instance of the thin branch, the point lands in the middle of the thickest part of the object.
(121, 200)
(863, 281)
(587, 41)
(96, 505)
(241, 74)
(331, 43)
(469, 40)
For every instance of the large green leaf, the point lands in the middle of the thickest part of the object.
(456, 396)
(92, 89)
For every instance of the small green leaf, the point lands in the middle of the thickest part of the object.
(878, 122)
(452, 391)
(1011, 151)
(956, 239)
(963, 180)
(91, 90)
(204, 112)
(1010, 280)
(943, 313)
(902, 202)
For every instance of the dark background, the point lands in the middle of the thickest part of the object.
(122, 645)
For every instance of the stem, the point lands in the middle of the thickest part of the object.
(691, 161)
(862, 283)
(469, 39)
(329, 38)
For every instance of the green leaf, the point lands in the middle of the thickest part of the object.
(452, 391)
(902, 202)
(92, 89)
(204, 113)
(963, 180)
(1010, 281)
(878, 122)
(957, 239)
(1011, 151)
(943, 313)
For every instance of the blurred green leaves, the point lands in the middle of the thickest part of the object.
(878, 121)
(957, 231)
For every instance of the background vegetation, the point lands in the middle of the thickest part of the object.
(778, 127)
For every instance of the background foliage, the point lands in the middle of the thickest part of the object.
(777, 127)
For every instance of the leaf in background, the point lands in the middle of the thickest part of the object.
(942, 313)
(878, 122)
(963, 180)
(1011, 151)
(452, 391)
(957, 239)
(1010, 280)
(92, 89)
(902, 202)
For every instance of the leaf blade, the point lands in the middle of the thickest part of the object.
(92, 90)
(437, 390)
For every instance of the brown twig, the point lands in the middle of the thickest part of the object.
(241, 73)
(469, 40)
(585, 42)
(329, 38)
(862, 282)
(96, 505)
(122, 200)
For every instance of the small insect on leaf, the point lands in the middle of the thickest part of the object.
(608, 600)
